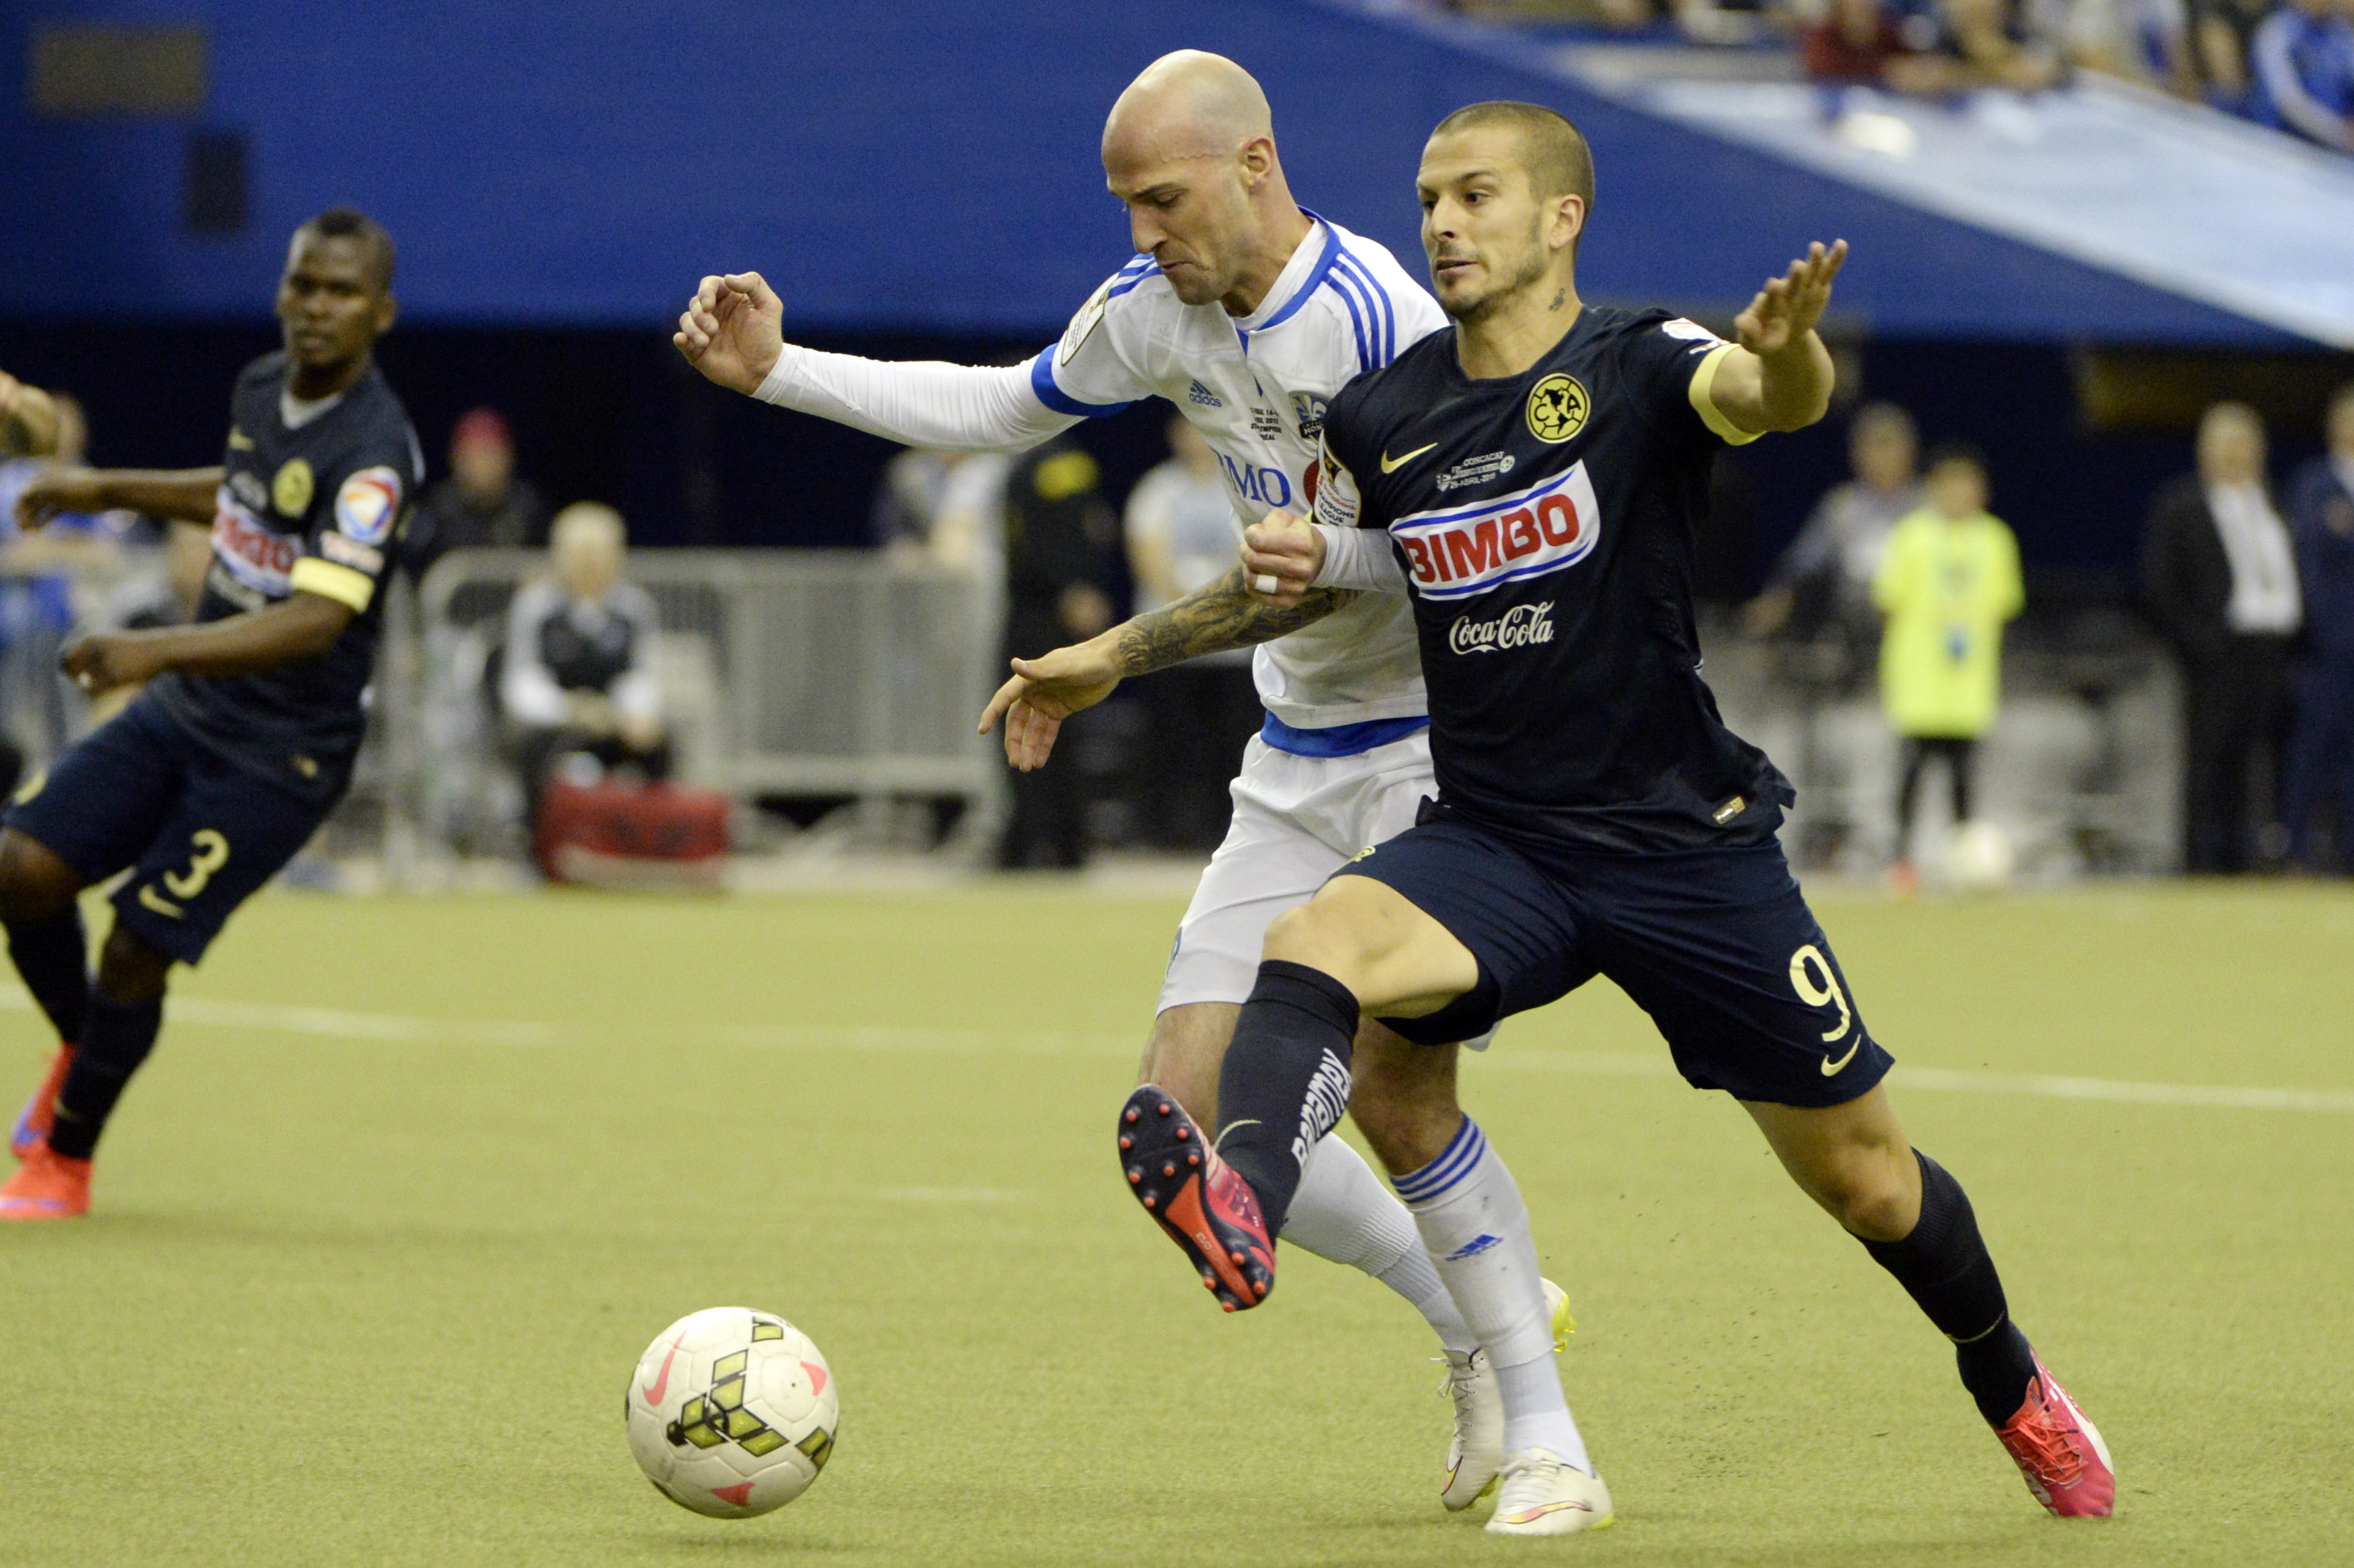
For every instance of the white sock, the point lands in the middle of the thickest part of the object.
(1536, 1415)
(1343, 1212)
(1476, 1230)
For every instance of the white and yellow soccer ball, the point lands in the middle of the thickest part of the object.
(732, 1413)
(1980, 858)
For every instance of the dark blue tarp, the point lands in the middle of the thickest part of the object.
(922, 165)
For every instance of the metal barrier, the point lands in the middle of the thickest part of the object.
(807, 672)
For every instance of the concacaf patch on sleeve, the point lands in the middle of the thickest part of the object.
(1689, 331)
(1334, 491)
(368, 505)
(1083, 323)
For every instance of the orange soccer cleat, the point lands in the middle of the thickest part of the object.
(48, 1186)
(2060, 1452)
(33, 1122)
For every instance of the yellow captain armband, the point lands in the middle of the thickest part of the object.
(342, 583)
(1703, 381)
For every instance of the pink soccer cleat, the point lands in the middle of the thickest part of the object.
(1198, 1199)
(48, 1186)
(2060, 1452)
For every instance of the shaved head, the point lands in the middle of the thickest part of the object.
(1189, 147)
(1191, 104)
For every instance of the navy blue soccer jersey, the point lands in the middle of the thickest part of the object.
(1547, 524)
(315, 506)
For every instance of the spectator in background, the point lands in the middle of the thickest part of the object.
(1060, 537)
(1985, 44)
(1870, 43)
(2220, 575)
(2147, 41)
(28, 420)
(59, 578)
(948, 508)
(2301, 71)
(1948, 582)
(2222, 34)
(579, 676)
(1823, 581)
(480, 503)
(1181, 537)
(2320, 784)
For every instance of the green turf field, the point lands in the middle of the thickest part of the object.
(411, 1183)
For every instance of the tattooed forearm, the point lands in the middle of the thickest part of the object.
(1214, 619)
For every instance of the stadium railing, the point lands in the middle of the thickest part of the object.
(806, 673)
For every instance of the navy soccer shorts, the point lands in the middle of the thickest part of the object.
(201, 833)
(1717, 945)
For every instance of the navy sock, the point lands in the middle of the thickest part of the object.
(54, 957)
(1286, 1080)
(116, 1038)
(1944, 1265)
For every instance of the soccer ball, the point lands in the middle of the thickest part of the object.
(732, 1413)
(1980, 859)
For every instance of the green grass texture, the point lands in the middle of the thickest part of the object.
(410, 1182)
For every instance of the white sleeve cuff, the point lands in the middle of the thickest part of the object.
(1358, 558)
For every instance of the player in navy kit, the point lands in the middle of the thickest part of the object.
(1535, 479)
(243, 738)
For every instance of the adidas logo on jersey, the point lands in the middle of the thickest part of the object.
(1460, 551)
(1198, 393)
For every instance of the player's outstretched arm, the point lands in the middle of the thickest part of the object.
(185, 496)
(1779, 376)
(302, 625)
(733, 330)
(28, 419)
(1223, 614)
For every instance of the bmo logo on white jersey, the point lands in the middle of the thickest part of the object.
(1259, 486)
(1466, 550)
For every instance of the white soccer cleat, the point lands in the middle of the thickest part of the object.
(1543, 1494)
(1475, 1456)
(1477, 1452)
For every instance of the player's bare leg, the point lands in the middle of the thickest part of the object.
(1914, 1218)
(38, 907)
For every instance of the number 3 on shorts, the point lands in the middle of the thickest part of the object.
(211, 854)
(1805, 964)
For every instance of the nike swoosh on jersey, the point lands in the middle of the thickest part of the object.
(1392, 464)
(1831, 1069)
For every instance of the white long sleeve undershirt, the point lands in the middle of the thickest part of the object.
(921, 403)
(1359, 558)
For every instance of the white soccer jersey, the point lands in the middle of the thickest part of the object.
(1255, 388)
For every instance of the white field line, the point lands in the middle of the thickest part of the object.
(336, 1023)
(2224, 1097)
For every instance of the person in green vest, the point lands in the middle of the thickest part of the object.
(1948, 584)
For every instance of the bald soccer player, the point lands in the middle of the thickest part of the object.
(1248, 312)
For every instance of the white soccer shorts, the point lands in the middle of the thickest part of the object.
(1297, 821)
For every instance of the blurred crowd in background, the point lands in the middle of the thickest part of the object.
(2288, 64)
